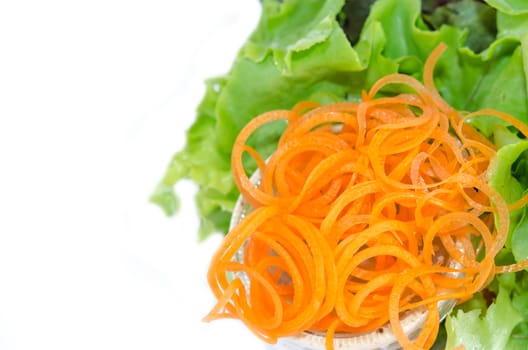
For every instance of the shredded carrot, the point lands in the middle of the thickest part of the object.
(364, 212)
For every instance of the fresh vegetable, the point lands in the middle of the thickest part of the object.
(490, 332)
(301, 50)
(363, 211)
(330, 51)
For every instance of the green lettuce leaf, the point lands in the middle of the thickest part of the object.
(516, 285)
(500, 172)
(477, 17)
(508, 174)
(519, 296)
(202, 161)
(510, 6)
(483, 332)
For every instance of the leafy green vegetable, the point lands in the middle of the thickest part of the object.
(501, 176)
(488, 332)
(510, 6)
(519, 297)
(504, 324)
(508, 175)
(202, 161)
(352, 18)
(477, 17)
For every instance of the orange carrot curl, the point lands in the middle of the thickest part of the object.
(364, 211)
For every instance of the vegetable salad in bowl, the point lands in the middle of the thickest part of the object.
(390, 137)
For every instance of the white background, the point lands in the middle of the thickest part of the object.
(95, 97)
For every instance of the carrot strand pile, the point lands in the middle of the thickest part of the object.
(364, 212)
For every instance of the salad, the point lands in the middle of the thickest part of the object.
(331, 51)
